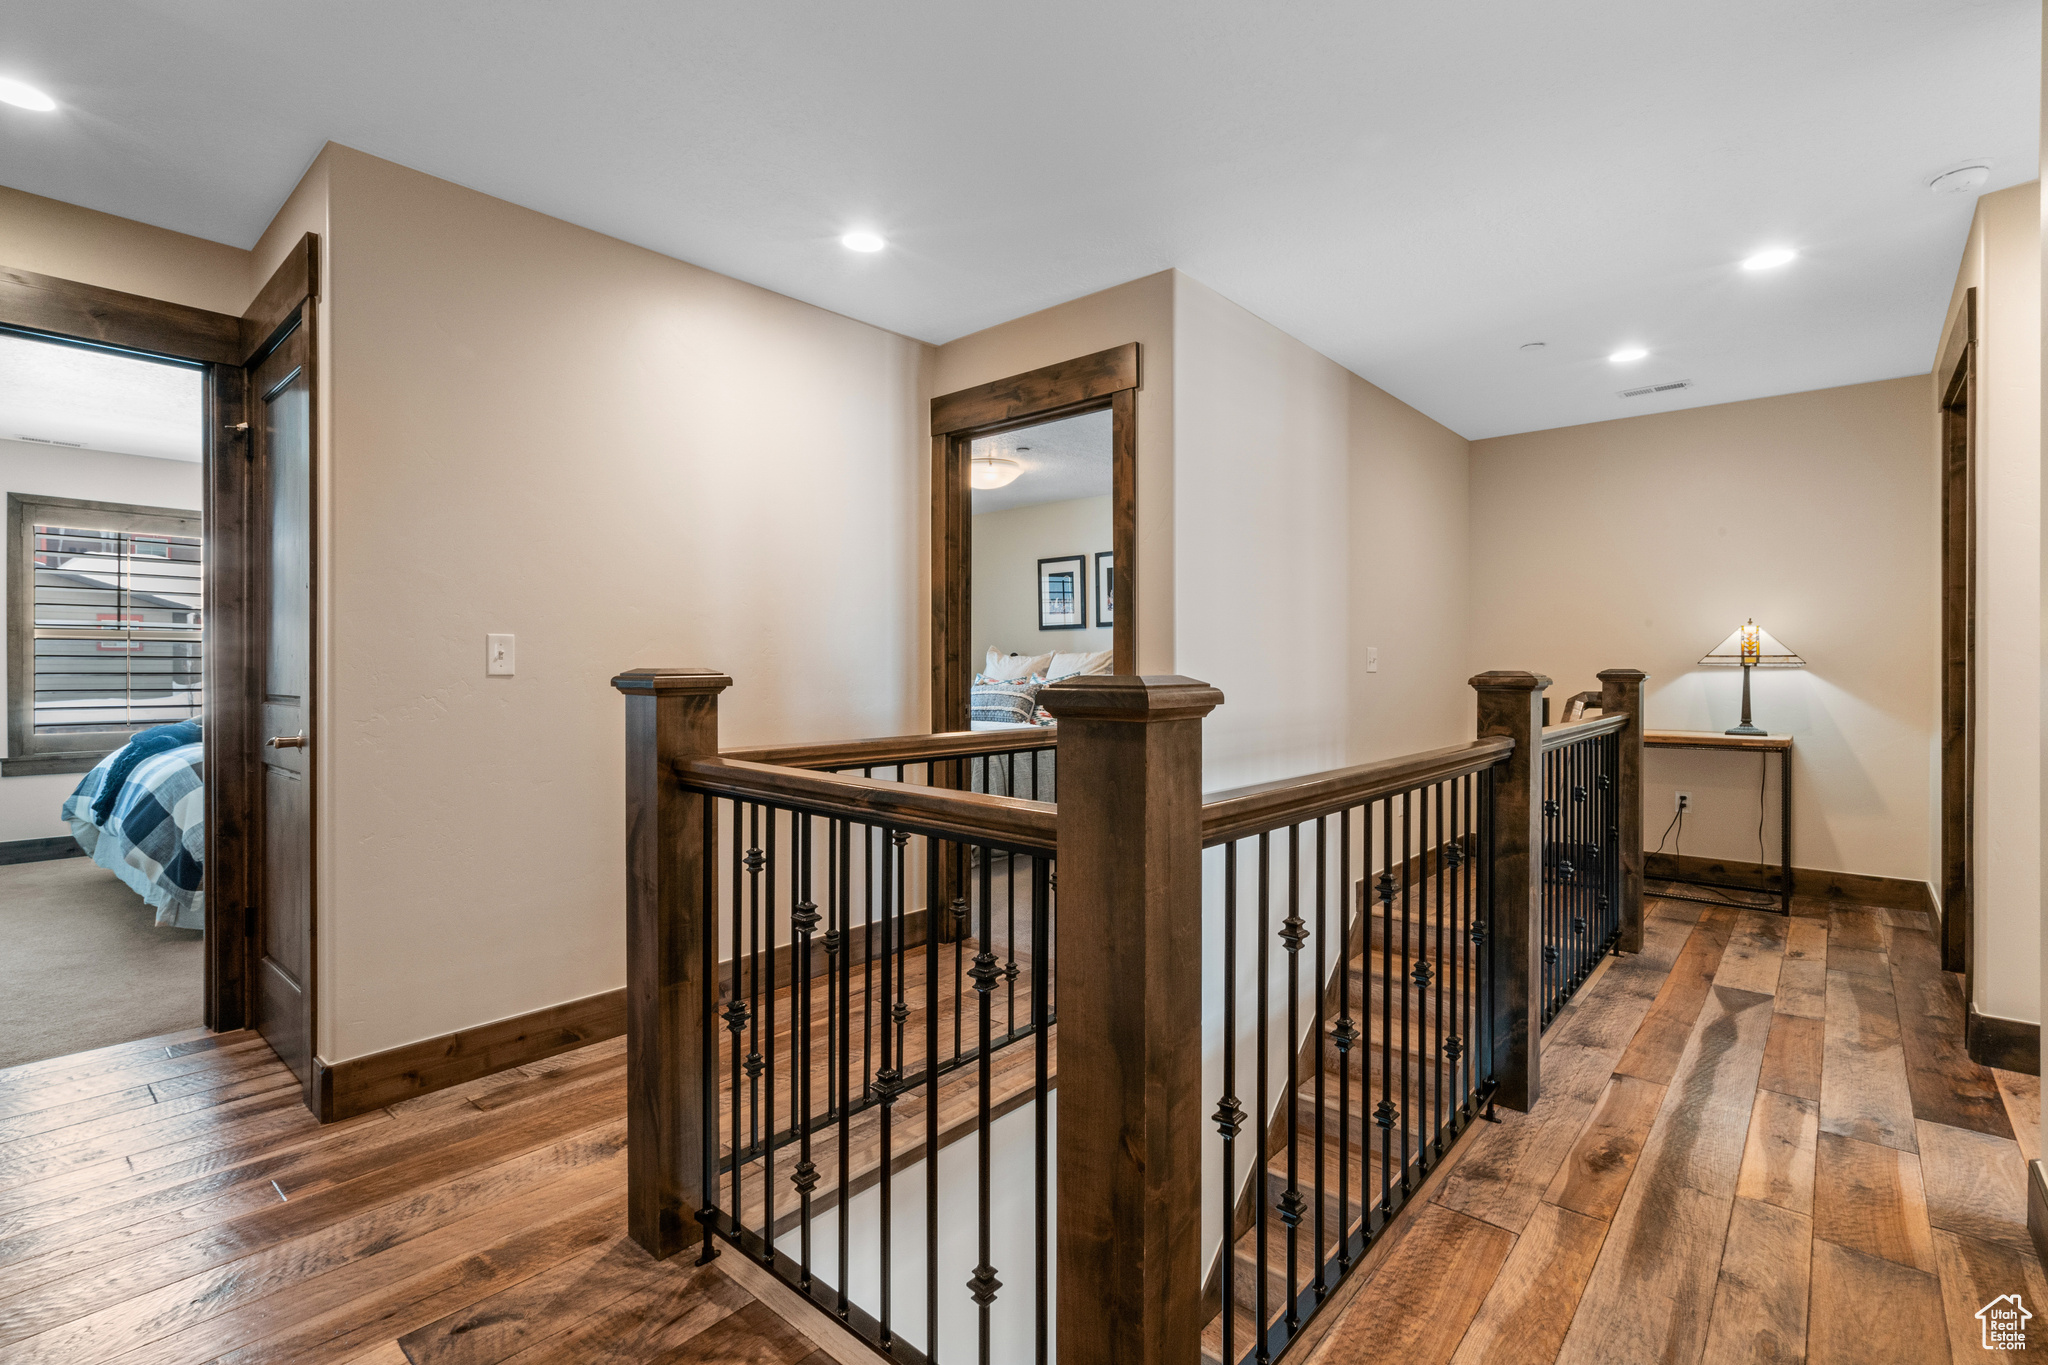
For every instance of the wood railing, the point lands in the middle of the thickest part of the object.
(1452, 849)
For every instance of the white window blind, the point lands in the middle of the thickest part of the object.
(117, 628)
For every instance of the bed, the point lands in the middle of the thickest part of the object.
(152, 834)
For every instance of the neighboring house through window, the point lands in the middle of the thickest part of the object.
(103, 627)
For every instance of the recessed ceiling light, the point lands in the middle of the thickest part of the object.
(1770, 260)
(22, 95)
(1627, 355)
(862, 241)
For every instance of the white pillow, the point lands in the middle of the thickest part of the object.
(1013, 667)
(1079, 665)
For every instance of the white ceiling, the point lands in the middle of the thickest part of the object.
(1062, 461)
(1415, 190)
(78, 396)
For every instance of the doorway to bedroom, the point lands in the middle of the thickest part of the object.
(102, 797)
(1043, 563)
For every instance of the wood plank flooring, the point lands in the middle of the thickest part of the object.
(170, 1201)
(1759, 1140)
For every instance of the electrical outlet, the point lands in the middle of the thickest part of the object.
(1372, 658)
(1684, 801)
(498, 655)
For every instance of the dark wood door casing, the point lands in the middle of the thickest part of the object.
(1091, 383)
(1957, 375)
(73, 311)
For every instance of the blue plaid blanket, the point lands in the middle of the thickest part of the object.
(154, 838)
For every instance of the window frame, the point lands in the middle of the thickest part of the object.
(78, 751)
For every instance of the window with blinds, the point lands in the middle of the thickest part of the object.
(104, 627)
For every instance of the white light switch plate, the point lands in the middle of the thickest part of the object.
(498, 655)
(1372, 658)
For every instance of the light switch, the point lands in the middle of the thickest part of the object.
(1372, 658)
(498, 655)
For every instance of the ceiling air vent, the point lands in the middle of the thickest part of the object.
(1656, 388)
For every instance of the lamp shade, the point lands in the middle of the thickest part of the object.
(1751, 644)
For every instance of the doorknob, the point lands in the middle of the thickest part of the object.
(287, 741)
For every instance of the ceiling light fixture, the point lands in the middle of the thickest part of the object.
(993, 471)
(1962, 179)
(1627, 355)
(22, 95)
(862, 241)
(1770, 260)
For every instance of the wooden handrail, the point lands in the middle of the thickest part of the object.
(882, 753)
(1274, 805)
(1557, 736)
(969, 817)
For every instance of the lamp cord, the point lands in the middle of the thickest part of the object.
(1677, 821)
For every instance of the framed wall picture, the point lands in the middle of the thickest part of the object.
(1063, 593)
(1105, 587)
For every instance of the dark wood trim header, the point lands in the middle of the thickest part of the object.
(1038, 394)
(86, 312)
(296, 279)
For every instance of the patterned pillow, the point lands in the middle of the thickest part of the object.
(1015, 703)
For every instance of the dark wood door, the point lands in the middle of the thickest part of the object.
(281, 425)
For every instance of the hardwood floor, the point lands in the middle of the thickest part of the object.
(171, 1200)
(1759, 1140)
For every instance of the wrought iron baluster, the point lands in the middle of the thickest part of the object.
(1265, 1107)
(1386, 1112)
(845, 1017)
(887, 1082)
(1041, 1021)
(1345, 1036)
(931, 1096)
(1293, 933)
(804, 920)
(1321, 987)
(767, 1053)
(983, 1284)
(708, 995)
(1229, 1115)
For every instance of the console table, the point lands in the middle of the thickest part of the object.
(1780, 745)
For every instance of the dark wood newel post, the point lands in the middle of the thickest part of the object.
(1130, 1107)
(1511, 704)
(1621, 690)
(671, 716)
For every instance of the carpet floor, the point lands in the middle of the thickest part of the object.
(82, 963)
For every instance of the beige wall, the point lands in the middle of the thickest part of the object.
(2002, 262)
(1140, 311)
(1317, 517)
(28, 805)
(1007, 547)
(615, 456)
(1642, 542)
(54, 238)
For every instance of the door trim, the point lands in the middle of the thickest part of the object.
(1957, 373)
(1107, 380)
(70, 310)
